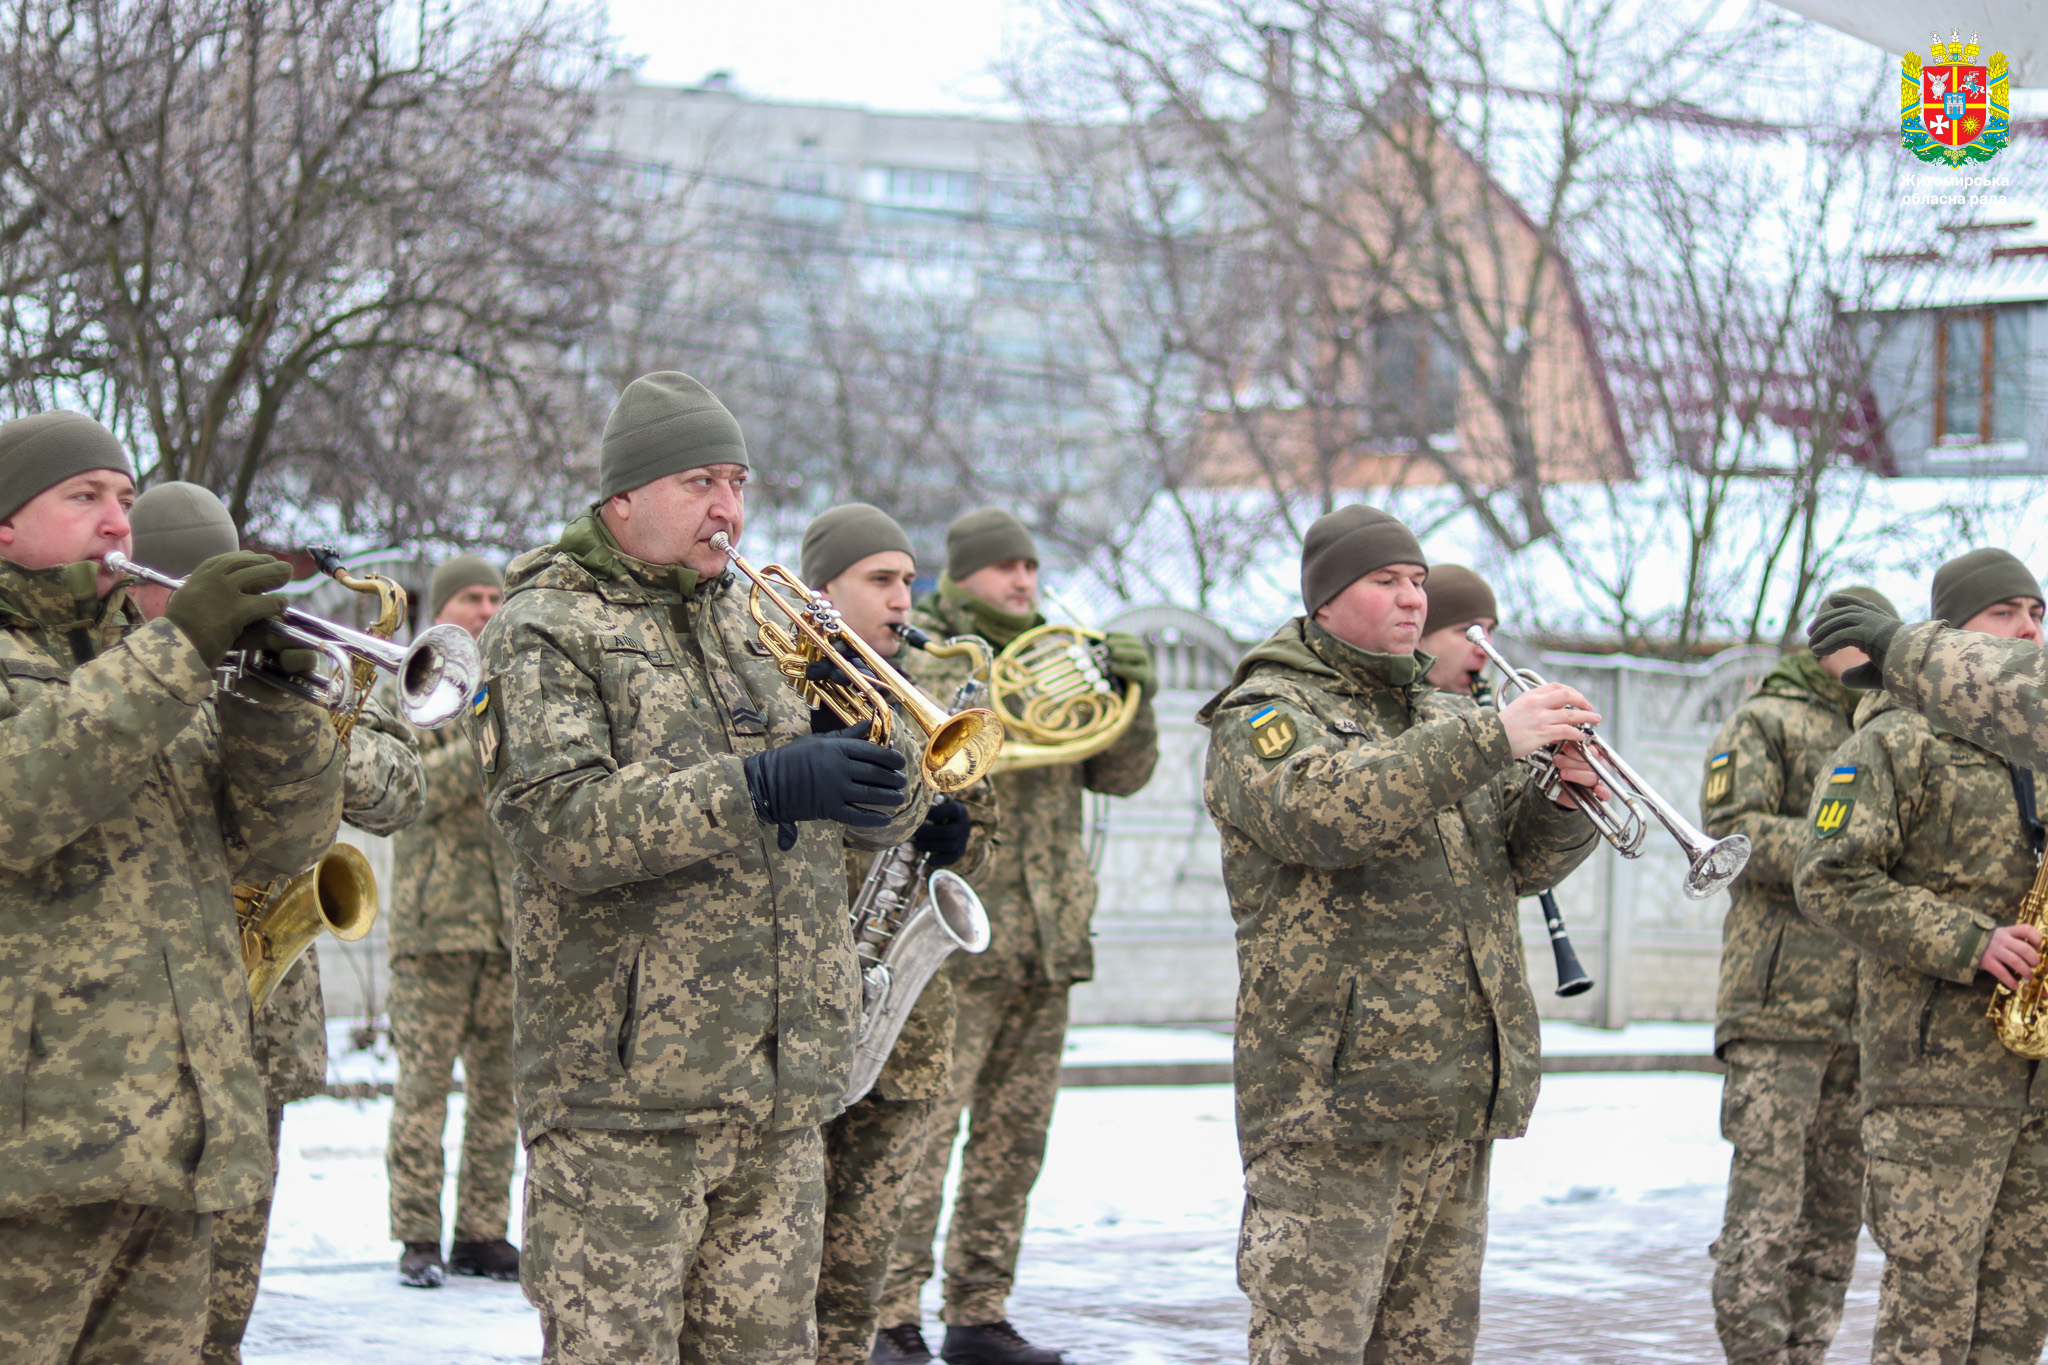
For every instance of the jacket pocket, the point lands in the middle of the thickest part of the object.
(625, 1007)
(1770, 973)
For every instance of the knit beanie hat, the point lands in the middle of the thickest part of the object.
(1969, 583)
(1456, 596)
(463, 571)
(664, 423)
(179, 526)
(1345, 545)
(985, 536)
(42, 451)
(843, 536)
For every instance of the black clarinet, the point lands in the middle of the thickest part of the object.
(1571, 977)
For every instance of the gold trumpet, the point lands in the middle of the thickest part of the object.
(959, 747)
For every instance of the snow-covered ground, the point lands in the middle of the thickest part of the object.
(1603, 1211)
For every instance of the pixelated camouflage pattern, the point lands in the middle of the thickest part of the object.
(1373, 870)
(235, 1265)
(1955, 1196)
(1037, 886)
(443, 1005)
(872, 1152)
(1795, 1198)
(1990, 691)
(697, 1244)
(452, 891)
(104, 1282)
(1007, 1043)
(1930, 860)
(1364, 1251)
(672, 967)
(131, 810)
(1782, 976)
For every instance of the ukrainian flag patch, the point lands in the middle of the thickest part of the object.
(481, 702)
(1720, 777)
(1841, 775)
(1273, 731)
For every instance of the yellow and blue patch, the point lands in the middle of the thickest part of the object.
(1273, 732)
(484, 729)
(1842, 775)
(1720, 777)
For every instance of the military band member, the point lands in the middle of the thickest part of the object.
(683, 983)
(858, 557)
(1458, 600)
(1012, 1000)
(1920, 856)
(177, 527)
(450, 939)
(132, 805)
(1787, 1029)
(1376, 834)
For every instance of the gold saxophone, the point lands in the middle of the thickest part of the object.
(337, 894)
(2020, 1018)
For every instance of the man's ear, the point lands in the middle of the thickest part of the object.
(7, 532)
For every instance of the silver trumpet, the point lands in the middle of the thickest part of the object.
(1715, 862)
(437, 673)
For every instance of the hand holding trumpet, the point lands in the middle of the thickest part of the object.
(1554, 714)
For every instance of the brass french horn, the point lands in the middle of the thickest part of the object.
(1057, 699)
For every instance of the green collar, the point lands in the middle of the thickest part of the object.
(987, 620)
(1800, 674)
(590, 543)
(1364, 667)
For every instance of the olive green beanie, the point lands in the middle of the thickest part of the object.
(1456, 596)
(1345, 545)
(1969, 583)
(843, 536)
(179, 526)
(985, 536)
(42, 451)
(664, 423)
(463, 571)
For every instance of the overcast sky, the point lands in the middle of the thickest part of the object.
(889, 54)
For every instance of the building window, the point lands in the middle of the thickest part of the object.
(1415, 381)
(1980, 367)
(913, 187)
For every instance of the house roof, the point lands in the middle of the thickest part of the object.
(2001, 257)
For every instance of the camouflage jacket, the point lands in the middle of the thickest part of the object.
(130, 810)
(454, 871)
(380, 795)
(1990, 691)
(671, 967)
(1783, 977)
(920, 1065)
(1376, 834)
(1918, 855)
(1038, 887)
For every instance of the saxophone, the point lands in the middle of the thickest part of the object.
(2020, 1018)
(337, 894)
(905, 924)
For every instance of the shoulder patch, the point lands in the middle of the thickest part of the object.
(1273, 731)
(1831, 815)
(1842, 776)
(1720, 777)
(484, 726)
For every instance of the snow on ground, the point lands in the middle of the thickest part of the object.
(1604, 1209)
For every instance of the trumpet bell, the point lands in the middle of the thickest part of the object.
(438, 675)
(962, 747)
(1716, 865)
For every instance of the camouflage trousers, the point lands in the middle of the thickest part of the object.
(443, 1004)
(1795, 1199)
(1958, 1200)
(1367, 1251)
(696, 1245)
(872, 1152)
(239, 1236)
(104, 1284)
(1007, 1044)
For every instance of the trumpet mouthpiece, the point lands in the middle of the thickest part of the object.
(722, 542)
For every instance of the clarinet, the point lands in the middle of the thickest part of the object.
(1571, 976)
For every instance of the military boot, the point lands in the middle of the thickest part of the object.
(902, 1344)
(993, 1343)
(421, 1266)
(494, 1260)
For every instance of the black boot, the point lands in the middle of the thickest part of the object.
(493, 1260)
(993, 1343)
(421, 1266)
(902, 1344)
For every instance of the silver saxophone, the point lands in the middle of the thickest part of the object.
(906, 924)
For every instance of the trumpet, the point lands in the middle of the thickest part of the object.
(436, 674)
(959, 747)
(1713, 862)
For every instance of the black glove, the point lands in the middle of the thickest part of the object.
(225, 596)
(837, 776)
(943, 836)
(1847, 622)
